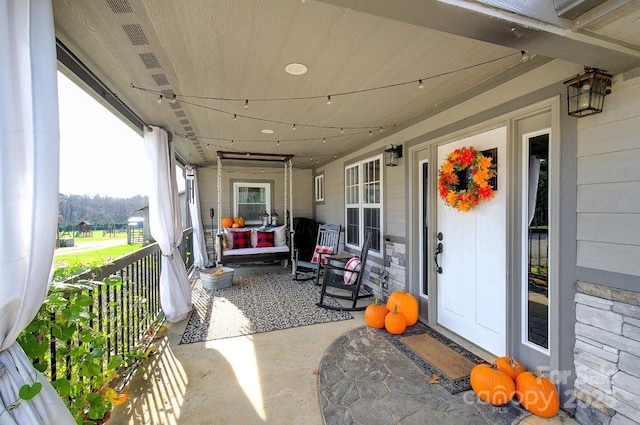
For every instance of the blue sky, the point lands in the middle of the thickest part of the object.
(99, 154)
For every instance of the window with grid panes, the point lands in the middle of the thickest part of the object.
(363, 203)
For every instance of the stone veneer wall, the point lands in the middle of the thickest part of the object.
(607, 355)
(383, 281)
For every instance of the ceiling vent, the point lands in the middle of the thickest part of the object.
(120, 6)
(571, 9)
(160, 79)
(135, 34)
(150, 60)
(180, 114)
(184, 122)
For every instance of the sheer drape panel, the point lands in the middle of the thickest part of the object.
(166, 225)
(29, 146)
(200, 258)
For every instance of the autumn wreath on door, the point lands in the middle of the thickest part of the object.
(464, 179)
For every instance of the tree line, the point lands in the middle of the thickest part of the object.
(98, 210)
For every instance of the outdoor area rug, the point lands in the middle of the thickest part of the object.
(436, 354)
(255, 303)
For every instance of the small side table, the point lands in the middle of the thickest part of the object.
(339, 260)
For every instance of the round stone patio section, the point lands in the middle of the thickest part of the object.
(365, 380)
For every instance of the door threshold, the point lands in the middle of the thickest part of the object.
(465, 343)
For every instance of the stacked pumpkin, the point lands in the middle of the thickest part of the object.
(232, 222)
(400, 311)
(498, 383)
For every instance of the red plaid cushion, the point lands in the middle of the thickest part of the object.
(241, 239)
(265, 239)
(353, 264)
(321, 250)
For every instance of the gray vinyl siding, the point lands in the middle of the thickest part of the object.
(608, 210)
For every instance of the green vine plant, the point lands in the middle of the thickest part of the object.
(25, 393)
(86, 374)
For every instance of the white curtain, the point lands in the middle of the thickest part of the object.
(200, 257)
(534, 177)
(29, 147)
(166, 225)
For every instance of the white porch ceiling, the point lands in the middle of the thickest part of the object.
(238, 49)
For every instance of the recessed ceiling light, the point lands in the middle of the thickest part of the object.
(296, 69)
(267, 131)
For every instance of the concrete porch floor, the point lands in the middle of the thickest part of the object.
(267, 378)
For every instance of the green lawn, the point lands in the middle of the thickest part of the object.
(96, 257)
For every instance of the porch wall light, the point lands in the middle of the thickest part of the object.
(586, 92)
(392, 155)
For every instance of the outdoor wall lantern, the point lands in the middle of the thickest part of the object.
(392, 155)
(274, 218)
(265, 218)
(190, 182)
(586, 92)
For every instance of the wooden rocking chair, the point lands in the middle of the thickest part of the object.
(348, 278)
(326, 244)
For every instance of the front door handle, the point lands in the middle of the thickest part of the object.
(439, 250)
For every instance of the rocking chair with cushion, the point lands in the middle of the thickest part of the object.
(347, 280)
(326, 244)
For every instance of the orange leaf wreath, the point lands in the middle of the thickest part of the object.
(479, 169)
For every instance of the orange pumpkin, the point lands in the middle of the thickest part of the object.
(510, 366)
(537, 394)
(407, 305)
(375, 313)
(394, 322)
(235, 225)
(239, 221)
(226, 222)
(491, 385)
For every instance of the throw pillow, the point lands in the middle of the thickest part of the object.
(241, 239)
(354, 264)
(320, 249)
(254, 238)
(265, 239)
(280, 236)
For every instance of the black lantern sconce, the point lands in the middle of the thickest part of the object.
(586, 92)
(392, 155)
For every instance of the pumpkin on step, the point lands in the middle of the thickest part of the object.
(510, 366)
(537, 394)
(407, 306)
(394, 322)
(375, 313)
(492, 385)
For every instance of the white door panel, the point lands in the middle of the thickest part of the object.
(472, 288)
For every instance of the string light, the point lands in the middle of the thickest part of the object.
(307, 139)
(420, 84)
(342, 130)
(294, 127)
(370, 133)
(160, 99)
(235, 117)
(329, 101)
(278, 143)
(249, 117)
(174, 99)
(353, 92)
(324, 140)
(381, 130)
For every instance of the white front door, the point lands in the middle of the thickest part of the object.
(471, 289)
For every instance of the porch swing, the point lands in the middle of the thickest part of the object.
(227, 253)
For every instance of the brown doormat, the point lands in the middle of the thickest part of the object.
(436, 354)
(439, 355)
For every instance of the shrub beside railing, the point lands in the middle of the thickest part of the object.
(94, 327)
